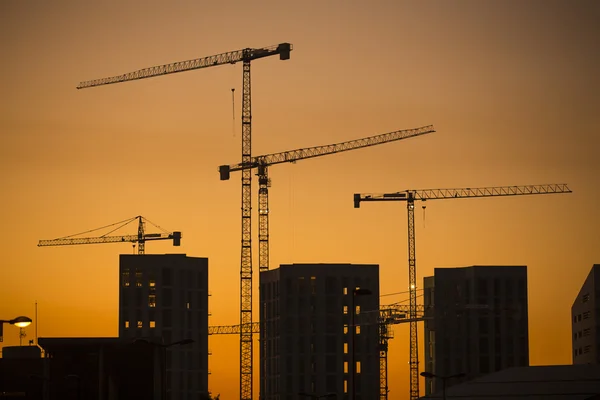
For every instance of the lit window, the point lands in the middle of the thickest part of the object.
(345, 386)
(126, 324)
(152, 283)
(139, 324)
(152, 300)
(138, 278)
(345, 309)
(345, 367)
(358, 329)
(345, 328)
(345, 290)
(187, 305)
(345, 348)
(357, 311)
(358, 367)
(152, 324)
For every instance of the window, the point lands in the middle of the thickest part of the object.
(152, 324)
(125, 277)
(358, 329)
(585, 298)
(345, 291)
(138, 278)
(586, 315)
(152, 300)
(587, 331)
(152, 283)
(345, 386)
(345, 367)
(139, 324)
(345, 348)
(587, 349)
(126, 324)
(345, 309)
(358, 367)
(357, 310)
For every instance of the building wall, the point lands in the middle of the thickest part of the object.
(165, 298)
(480, 321)
(585, 317)
(306, 342)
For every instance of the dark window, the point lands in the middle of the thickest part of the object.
(484, 364)
(167, 276)
(483, 325)
(167, 318)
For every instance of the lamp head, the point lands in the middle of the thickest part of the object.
(21, 321)
(426, 374)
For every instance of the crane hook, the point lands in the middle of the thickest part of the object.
(233, 110)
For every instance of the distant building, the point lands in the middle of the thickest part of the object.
(479, 322)
(164, 298)
(306, 336)
(585, 317)
(552, 382)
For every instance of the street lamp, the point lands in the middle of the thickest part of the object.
(316, 396)
(355, 292)
(20, 322)
(443, 378)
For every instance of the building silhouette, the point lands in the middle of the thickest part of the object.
(163, 300)
(306, 341)
(585, 320)
(477, 322)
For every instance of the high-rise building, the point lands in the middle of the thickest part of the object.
(478, 322)
(309, 313)
(164, 299)
(585, 317)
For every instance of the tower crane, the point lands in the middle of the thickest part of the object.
(141, 238)
(410, 196)
(245, 56)
(262, 164)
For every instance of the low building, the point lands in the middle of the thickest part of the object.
(101, 369)
(555, 382)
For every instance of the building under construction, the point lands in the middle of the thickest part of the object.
(478, 322)
(163, 299)
(308, 314)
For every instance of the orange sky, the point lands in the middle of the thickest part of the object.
(511, 88)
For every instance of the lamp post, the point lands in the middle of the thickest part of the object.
(316, 396)
(20, 322)
(355, 292)
(444, 378)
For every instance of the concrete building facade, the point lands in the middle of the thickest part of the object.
(585, 320)
(478, 322)
(306, 340)
(164, 299)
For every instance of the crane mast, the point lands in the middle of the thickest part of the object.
(410, 196)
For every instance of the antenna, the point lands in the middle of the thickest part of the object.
(36, 324)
